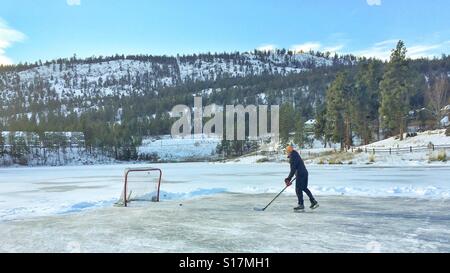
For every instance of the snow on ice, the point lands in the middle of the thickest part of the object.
(39, 191)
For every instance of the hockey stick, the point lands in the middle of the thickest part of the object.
(263, 209)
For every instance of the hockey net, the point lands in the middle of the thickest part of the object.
(140, 184)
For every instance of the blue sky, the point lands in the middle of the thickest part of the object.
(45, 29)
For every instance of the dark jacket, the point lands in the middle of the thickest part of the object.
(297, 166)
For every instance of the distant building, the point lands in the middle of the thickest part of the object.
(445, 122)
(309, 126)
(310, 122)
(48, 139)
(413, 129)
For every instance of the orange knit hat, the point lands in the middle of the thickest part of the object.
(289, 149)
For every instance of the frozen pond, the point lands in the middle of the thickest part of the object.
(31, 192)
(208, 207)
(227, 223)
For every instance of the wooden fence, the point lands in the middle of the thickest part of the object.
(398, 150)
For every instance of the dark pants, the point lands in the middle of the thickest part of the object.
(302, 186)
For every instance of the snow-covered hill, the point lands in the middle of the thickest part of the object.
(127, 75)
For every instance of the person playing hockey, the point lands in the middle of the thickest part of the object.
(301, 185)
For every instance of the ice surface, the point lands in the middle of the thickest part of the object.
(208, 207)
(227, 223)
(32, 192)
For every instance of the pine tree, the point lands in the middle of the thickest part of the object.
(2, 144)
(319, 127)
(437, 94)
(395, 91)
(287, 123)
(365, 100)
(338, 125)
(300, 134)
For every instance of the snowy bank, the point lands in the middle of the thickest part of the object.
(423, 139)
(427, 148)
(166, 148)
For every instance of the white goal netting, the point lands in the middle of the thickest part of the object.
(140, 184)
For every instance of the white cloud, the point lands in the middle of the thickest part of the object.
(382, 50)
(386, 43)
(379, 50)
(316, 46)
(73, 2)
(333, 49)
(419, 51)
(8, 37)
(374, 2)
(266, 47)
(305, 47)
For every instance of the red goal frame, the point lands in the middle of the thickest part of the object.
(128, 171)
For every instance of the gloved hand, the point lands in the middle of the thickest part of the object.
(288, 182)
